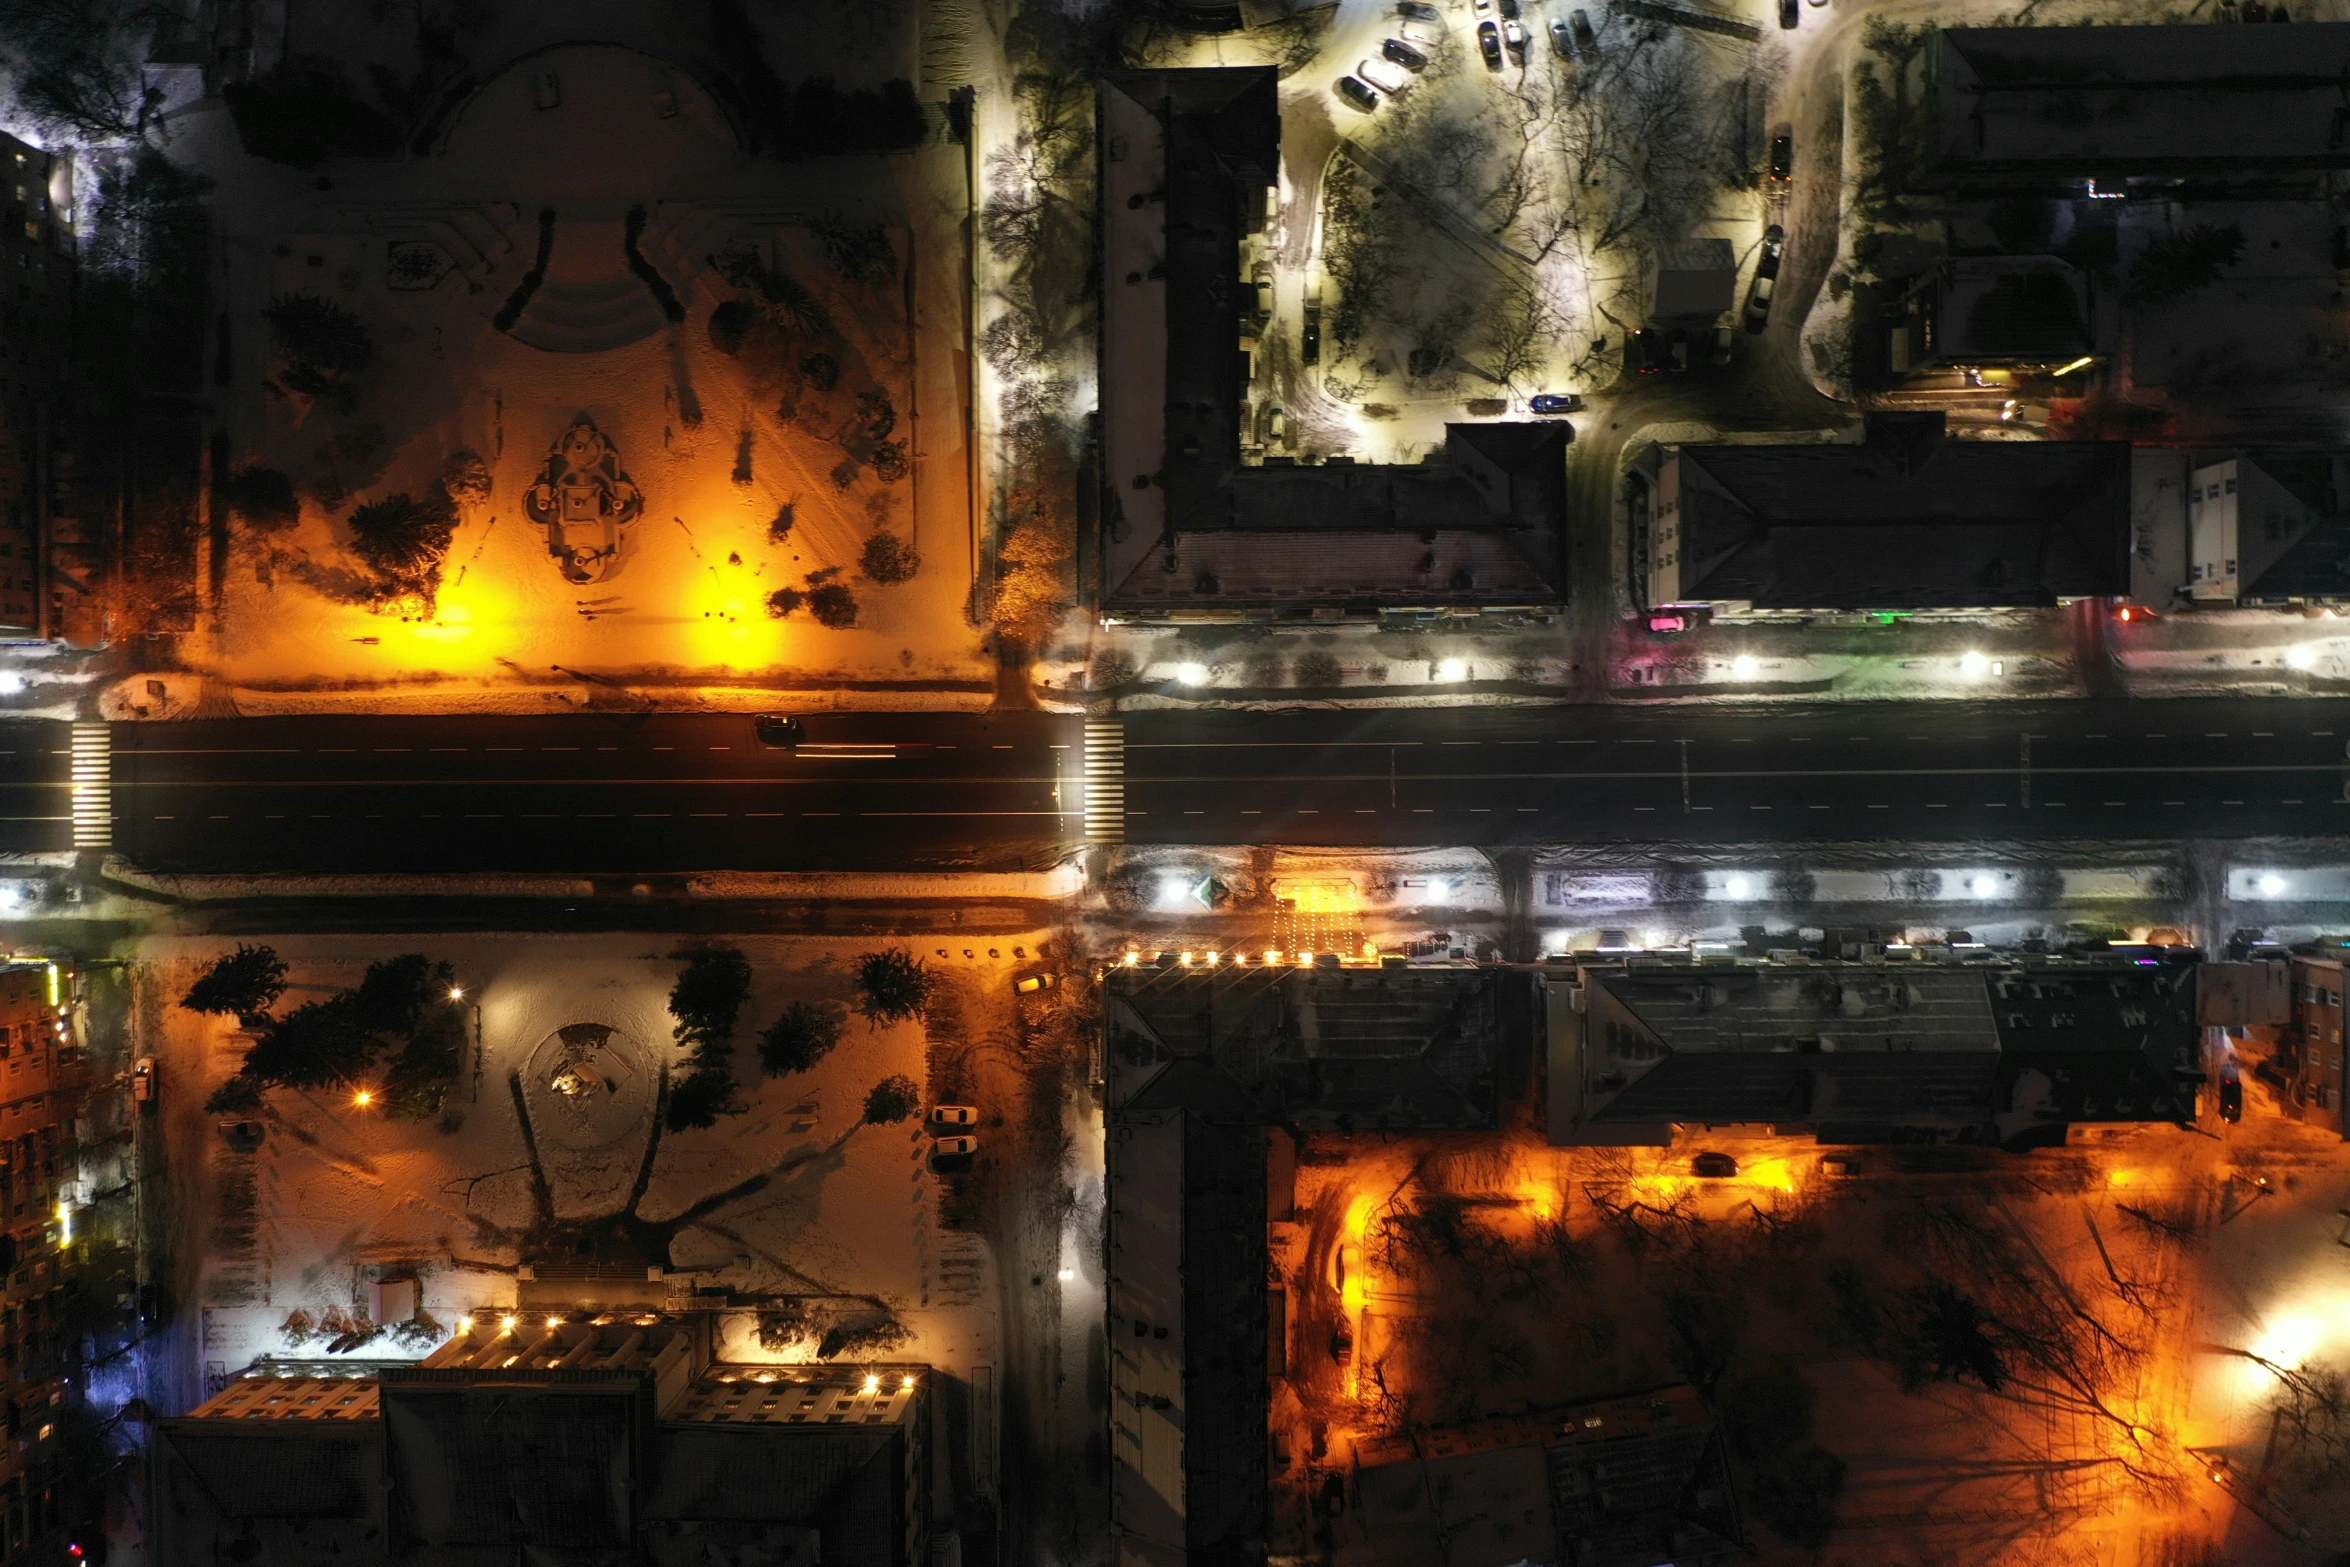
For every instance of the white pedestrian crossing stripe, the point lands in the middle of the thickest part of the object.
(1105, 781)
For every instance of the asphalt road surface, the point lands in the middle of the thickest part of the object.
(598, 795)
(592, 794)
(1858, 771)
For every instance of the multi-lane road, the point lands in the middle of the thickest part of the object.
(597, 794)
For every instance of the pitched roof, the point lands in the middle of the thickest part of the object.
(2083, 101)
(1908, 519)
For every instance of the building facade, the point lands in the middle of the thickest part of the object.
(41, 1080)
(2312, 1043)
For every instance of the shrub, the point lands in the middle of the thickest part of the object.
(1317, 668)
(889, 559)
(863, 1333)
(1676, 884)
(395, 993)
(804, 1035)
(323, 344)
(707, 999)
(731, 324)
(465, 479)
(404, 542)
(245, 983)
(1112, 670)
(779, 530)
(892, 1100)
(892, 985)
(834, 606)
(304, 112)
(262, 496)
(699, 1098)
(317, 1045)
(1793, 886)
(783, 601)
(2173, 266)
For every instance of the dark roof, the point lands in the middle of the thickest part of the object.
(2078, 102)
(1861, 1049)
(479, 1460)
(1352, 1048)
(1908, 519)
(1226, 1397)
(1489, 507)
(2012, 307)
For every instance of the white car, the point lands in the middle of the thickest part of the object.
(953, 1115)
(953, 1147)
(1389, 79)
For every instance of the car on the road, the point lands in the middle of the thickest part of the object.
(780, 730)
(1489, 45)
(1554, 402)
(1586, 41)
(1404, 54)
(1310, 342)
(1723, 336)
(953, 1147)
(143, 1080)
(1774, 245)
(1562, 38)
(1790, 13)
(1713, 1166)
(1513, 38)
(1387, 78)
(1783, 157)
(1758, 303)
(2231, 1091)
(954, 1115)
(1356, 93)
(1346, 1262)
(1645, 352)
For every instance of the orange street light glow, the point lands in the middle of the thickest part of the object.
(363, 1098)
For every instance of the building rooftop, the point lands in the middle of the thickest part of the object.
(1907, 519)
(1189, 524)
(2115, 102)
(2010, 1050)
(1323, 1049)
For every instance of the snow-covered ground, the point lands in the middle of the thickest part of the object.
(848, 1210)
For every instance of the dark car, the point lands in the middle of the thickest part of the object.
(1354, 92)
(779, 730)
(1311, 349)
(1679, 350)
(2231, 1091)
(1585, 39)
(1404, 55)
(1554, 402)
(1489, 45)
(1646, 352)
(1774, 245)
(1419, 12)
(243, 1136)
(1714, 1166)
(1509, 9)
(1562, 38)
(1783, 157)
(1790, 12)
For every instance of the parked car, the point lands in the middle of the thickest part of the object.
(143, 1080)
(1722, 336)
(1036, 982)
(1404, 54)
(1562, 38)
(1513, 38)
(1419, 12)
(2231, 1091)
(1310, 345)
(1489, 45)
(1554, 402)
(1334, 1485)
(1586, 41)
(1481, 7)
(780, 730)
(1714, 1166)
(243, 1136)
(1758, 303)
(953, 1147)
(1387, 78)
(954, 1115)
(1275, 424)
(1666, 622)
(1790, 13)
(1645, 352)
(1774, 245)
(1346, 1261)
(1509, 9)
(1839, 1164)
(1342, 1344)
(1356, 93)
(1783, 157)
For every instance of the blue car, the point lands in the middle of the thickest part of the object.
(1554, 402)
